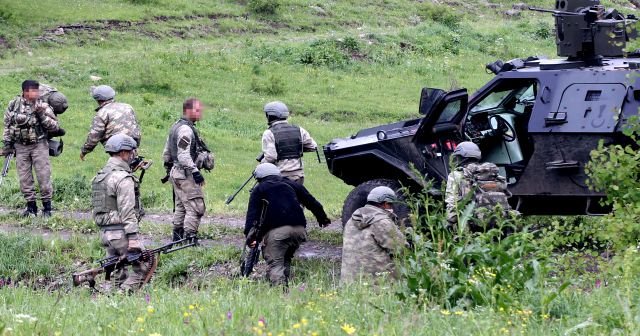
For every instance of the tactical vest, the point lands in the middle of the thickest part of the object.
(103, 203)
(24, 126)
(488, 188)
(173, 141)
(288, 141)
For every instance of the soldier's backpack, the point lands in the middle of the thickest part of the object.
(488, 187)
(54, 98)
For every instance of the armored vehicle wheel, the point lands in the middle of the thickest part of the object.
(357, 198)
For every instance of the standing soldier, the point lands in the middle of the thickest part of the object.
(283, 143)
(284, 226)
(371, 238)
(28, 123)
(476, 184)
(184, 155)
(111, 118)
(116, 209)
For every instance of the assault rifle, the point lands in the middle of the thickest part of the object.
(5, 167)
(233, 196)
(248, 260)
(110, 264)
(140, 163)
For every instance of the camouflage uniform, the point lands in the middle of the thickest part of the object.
(461, 190)
(111, 118)
(116, 212)
(25, 127)
(182, 149)
(370, 241)
(291, 167)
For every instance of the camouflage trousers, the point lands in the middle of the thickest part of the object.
(116, 243)
(189, 202)
(279, 246)
(30, 158)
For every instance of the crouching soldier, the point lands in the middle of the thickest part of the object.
(371, 238)
(475, 184)
(277, 201)
(116, 209)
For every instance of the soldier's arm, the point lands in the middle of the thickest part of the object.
(308, 144)
(185, 136)
(166, 154)
(451, 194)
(253, 211)
(126, 201)
(269, 147)
(137, 133)
(309, 202)
(47, 118)
(96, 132)
(388, 236)
(6, 136)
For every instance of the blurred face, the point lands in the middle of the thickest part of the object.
(194, 113)
(31, 94)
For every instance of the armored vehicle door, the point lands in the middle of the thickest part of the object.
(439, 129)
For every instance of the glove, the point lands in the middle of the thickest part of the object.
(198, 178)
(8, 149)
(323, 222)
(59, 132)
(135, 245)
(167, 167)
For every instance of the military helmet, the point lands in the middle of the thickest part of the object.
(103, 93)
(266, 169)
(381, 194)
(276, 109)
(58, 102)
(468, 149)
(120, 142)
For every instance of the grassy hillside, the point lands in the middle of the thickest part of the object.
(339, 65)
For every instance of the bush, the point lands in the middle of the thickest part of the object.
(440, 14)
(273, 85)
(464, 269)
(615, 170)
(264, 7)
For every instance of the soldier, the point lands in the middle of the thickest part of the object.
(474, 183)
(28, 123)
(116, 209)
(371, 238)
(185, 154)
(284, 226)
(283, 143)
(111, 118)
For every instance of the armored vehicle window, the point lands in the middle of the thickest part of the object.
(449, 112)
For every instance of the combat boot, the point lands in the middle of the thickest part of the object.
(178, 234)
(46, 211)
(192, 238)
(31, 210)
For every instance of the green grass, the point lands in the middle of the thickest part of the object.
(359, 65)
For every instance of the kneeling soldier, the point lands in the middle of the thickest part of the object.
(283, 227)
(116, 209)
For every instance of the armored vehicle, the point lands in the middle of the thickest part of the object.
(537, 119)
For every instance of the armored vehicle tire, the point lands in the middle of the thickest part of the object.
(357, 198)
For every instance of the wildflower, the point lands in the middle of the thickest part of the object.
(445, 312)
(459, 312)
(140, 319)
(545, 316)
(192, 307)
(261, 323)
(296, 326)
(141, 329)
(186, 314)
(229, 315)
(147, 298)
(57, 333)
(504, 330)
(20, 318)
(150, 309)
(349, 329)
(314, 333)
(155, 334)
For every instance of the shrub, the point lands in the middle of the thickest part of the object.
(264, 7)
(272, 85)
(615, 169)
(440, 14)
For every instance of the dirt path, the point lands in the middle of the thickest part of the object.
(310, 249)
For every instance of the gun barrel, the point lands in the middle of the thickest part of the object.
(232, 197)
(544, 10)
